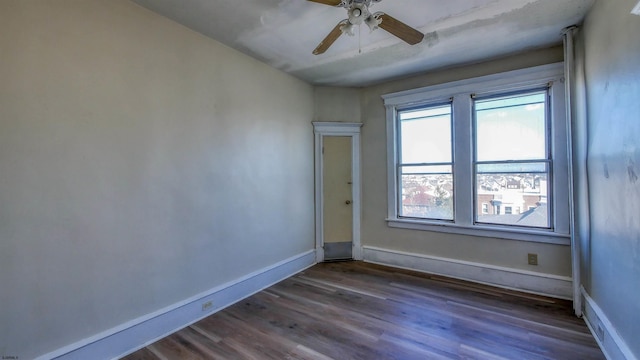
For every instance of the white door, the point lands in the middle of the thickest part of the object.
(337, 198)
(337, 192)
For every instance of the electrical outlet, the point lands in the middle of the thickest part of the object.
(533, 259)
(207, 305)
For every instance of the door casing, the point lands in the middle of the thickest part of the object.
(322, 129)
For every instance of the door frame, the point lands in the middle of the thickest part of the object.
(321, 130)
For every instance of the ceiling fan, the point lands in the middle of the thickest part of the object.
(358, 12)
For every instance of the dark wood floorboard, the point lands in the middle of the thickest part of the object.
(355, 310)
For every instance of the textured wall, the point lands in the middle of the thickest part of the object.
(140, 164)
(611, 58)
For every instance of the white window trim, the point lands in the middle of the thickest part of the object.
(524, 79)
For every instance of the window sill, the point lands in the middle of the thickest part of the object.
(539, 236)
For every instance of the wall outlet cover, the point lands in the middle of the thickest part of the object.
(600, 331)
(207, 305)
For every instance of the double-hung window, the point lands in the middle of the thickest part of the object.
(512, 159)
(425, 163)
(485, 157)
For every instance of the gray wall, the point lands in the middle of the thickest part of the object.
(554, 259)
(611, 48)
(140, 164)
(337, 104)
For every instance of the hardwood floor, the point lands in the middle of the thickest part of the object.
(355, 310)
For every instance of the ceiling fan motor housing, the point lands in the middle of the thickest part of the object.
(358, 13)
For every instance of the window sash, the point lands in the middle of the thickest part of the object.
(516, 197)
(516, 165)
(439, 197)
(437, 204)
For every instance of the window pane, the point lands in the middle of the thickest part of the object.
(518, 199)
(425, 135)
(426, 192)
(511, 128)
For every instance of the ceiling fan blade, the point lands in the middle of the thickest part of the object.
(328, 2)
(396, 27)
(330, 39)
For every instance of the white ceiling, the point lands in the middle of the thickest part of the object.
(282, 33)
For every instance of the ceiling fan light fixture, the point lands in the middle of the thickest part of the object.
(374, 21)
(348, 29)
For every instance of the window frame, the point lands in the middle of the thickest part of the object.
(460, 94)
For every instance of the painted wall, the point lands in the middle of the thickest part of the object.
(553, 259)
(141, 163)
(611, 49)
(334, 104)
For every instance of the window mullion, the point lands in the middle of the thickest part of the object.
(463, 160)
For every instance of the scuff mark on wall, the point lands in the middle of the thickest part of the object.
(631, 170)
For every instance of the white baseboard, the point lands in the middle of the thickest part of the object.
(140, 332)
(612, 345)
(515, 279)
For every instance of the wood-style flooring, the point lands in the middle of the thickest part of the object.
(355, 310)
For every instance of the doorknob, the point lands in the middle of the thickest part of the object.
(348, 202)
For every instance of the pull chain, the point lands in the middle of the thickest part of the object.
(359, 39)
